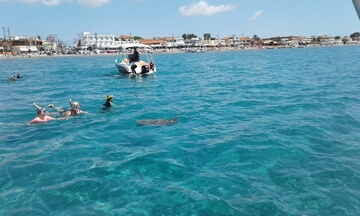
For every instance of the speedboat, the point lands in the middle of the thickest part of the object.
(127, 62)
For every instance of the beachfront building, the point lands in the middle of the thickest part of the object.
(289, 42)
(219, 42)
(195, 42)
(174, 41)
(2, 45)
(326, 40)
(208, 43)
(25, 45)
(308, 40)
(97, 42)
(286, 41)
(164, 42)
(126, 38)
(154, 43)
(245, 42)
(232, 41)
(338, 42)
(50, 43)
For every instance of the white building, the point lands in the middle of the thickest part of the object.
(196, 41)
(175, 41)
(97, 41)
(326, 40)
(219, 42)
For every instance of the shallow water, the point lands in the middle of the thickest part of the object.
(266, 132)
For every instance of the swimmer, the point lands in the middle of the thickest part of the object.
(75, 109)
(108, 101)
(12, 78)
(42, 117)
(19, 76)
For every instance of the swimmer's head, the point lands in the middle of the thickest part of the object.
(75, 106)
(109, 98)
(39, 109)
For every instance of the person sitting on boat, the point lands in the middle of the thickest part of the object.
(108, 102)
(151, 65)
(42, 117)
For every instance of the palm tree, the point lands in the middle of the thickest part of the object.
(255, 40)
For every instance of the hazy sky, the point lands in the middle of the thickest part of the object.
(154, 18)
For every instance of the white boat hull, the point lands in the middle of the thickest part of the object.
(137, 68)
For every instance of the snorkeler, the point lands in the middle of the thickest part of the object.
(12, 78)
(108, 102)
(42, 116)
(73, 111)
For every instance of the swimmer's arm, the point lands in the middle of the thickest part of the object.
(58, 109)
(60, 119)
(84, 112)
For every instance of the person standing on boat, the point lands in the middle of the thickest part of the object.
(135, 56)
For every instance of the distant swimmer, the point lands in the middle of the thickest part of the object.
(157, 122)
(42, 116)
(12, 78)
(19, 76)
(108, 102)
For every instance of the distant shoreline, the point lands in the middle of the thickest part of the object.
(29, 56)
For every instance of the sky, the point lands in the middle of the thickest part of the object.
(160, 18)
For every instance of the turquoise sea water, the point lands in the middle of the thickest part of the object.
(267, 132)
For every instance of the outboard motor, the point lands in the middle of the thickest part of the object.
(144, 69)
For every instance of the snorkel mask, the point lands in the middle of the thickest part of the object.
(40, 109)
(74, 105)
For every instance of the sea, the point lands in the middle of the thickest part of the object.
(259, 132)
